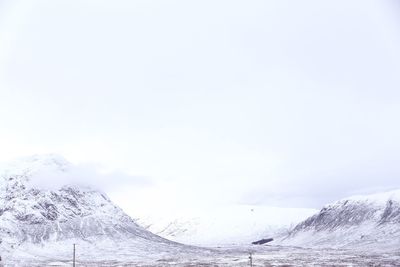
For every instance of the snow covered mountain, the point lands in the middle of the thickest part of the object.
(39, 223)
(358, 221)
(33, 215)
(224, 225)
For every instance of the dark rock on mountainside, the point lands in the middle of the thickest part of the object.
(262, 241)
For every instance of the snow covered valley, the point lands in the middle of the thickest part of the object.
(38, 227)
(225, 225)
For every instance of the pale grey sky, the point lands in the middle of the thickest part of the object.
(291, 103)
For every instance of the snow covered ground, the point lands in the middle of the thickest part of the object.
(132, 254)
(224, 225)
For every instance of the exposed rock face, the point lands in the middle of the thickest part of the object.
(371, 220)
(31, 214)
(391, 213)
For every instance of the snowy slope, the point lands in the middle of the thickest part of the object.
(32, 217)
(39, 224)
(359, 221)
(224, 225)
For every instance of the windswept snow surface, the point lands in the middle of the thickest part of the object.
(117, 254)
(367, 222)
(224, 225)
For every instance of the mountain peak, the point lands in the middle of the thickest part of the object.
(378, 198)
(30, 213)
(30, 165)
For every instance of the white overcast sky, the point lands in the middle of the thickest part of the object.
(288, 103)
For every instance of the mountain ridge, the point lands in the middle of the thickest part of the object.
(358, 221)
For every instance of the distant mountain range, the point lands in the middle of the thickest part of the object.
(225, 225)
(366, 221)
